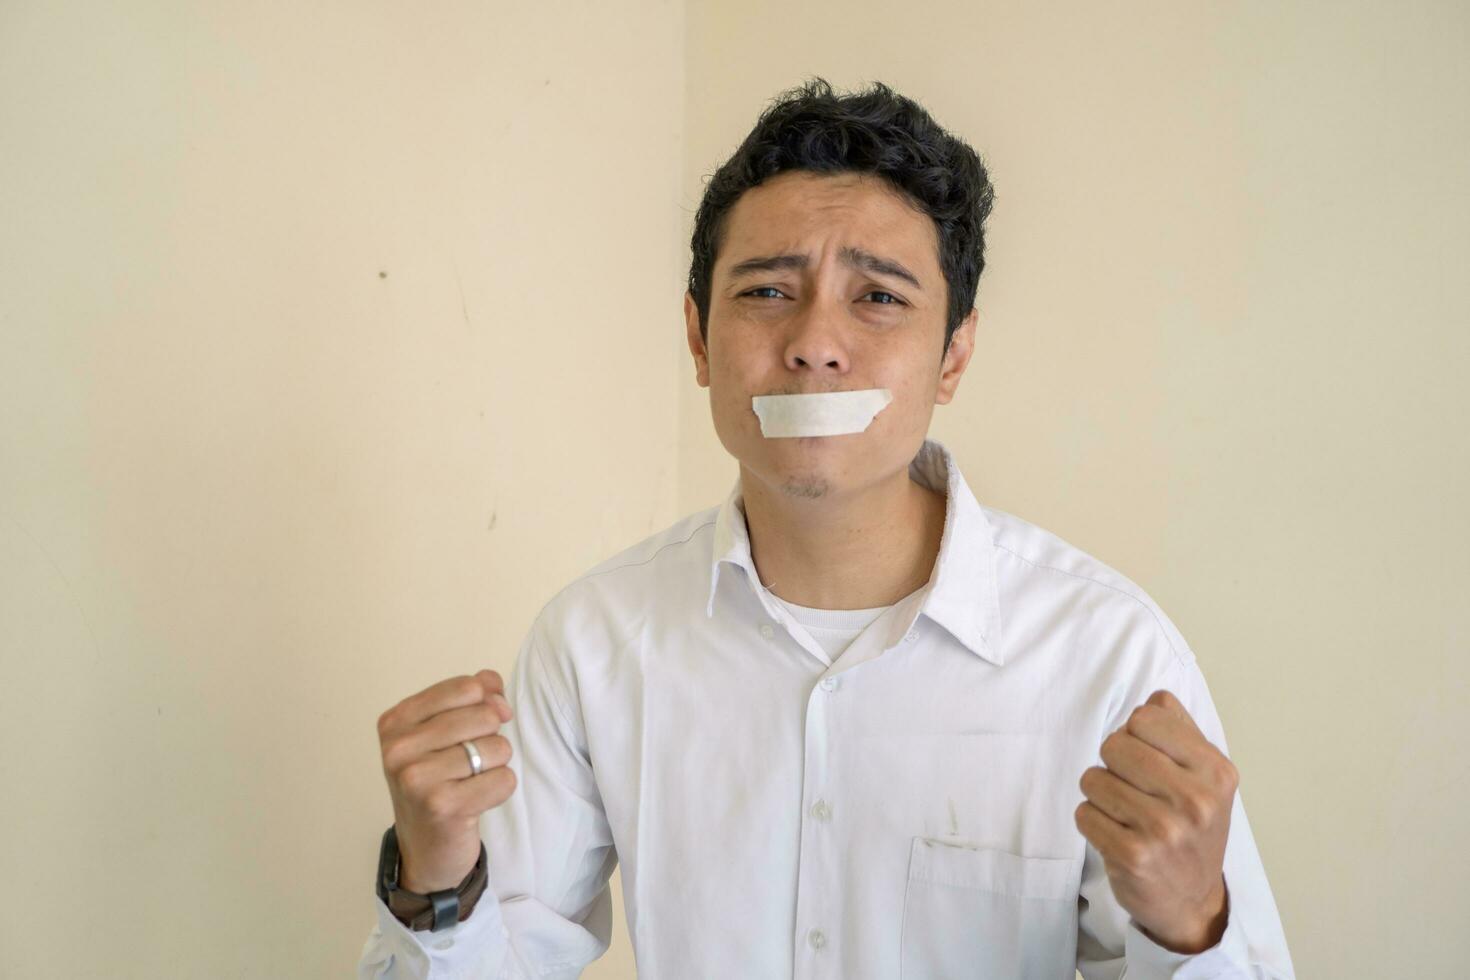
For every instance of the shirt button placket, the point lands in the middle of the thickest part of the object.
(820, 812)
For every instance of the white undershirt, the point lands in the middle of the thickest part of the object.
(835, 629)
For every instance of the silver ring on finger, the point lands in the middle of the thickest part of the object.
(477, 765)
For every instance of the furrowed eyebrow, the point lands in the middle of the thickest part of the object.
(853, 257)
(878, 266)
(768, 263)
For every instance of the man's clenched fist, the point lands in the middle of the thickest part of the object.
(437, 801)
(1159, 814)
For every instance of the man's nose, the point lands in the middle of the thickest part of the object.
(817, 336)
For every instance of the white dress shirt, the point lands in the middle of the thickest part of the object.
(883, 793)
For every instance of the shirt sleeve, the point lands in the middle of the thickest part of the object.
(1253, 946)
(547, 908)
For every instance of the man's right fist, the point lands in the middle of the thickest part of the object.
(437, 801)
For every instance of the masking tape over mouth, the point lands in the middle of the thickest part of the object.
(824, 413)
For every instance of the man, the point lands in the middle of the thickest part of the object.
(851, 723)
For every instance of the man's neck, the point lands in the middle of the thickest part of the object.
(858, 550)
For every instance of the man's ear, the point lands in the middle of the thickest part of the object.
(696, 342)
(956, 358)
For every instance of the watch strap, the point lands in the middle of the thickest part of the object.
(435, 911)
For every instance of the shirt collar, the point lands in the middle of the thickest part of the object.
(964, 594)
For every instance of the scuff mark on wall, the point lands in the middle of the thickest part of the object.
(71, 593)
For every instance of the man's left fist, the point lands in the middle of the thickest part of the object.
(1159, 814)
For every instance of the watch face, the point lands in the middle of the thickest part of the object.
(388, 863)
(446, 908)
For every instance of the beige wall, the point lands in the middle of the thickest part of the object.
(337, 339)
(253, 491)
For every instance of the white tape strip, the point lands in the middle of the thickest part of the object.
(824, 413)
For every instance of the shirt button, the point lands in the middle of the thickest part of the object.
(829, 683)
(444, 944)
(912, 635)
(766, 630)
(821, 810)
(816, 938)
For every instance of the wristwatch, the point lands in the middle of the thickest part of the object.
(435, 911)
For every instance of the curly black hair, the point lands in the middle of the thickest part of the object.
(871, 132)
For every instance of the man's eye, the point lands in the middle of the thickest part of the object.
(879, 292)
(757, 289)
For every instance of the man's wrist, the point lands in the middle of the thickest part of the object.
(416, 910)
(1206, 934)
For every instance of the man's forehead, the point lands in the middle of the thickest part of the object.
(782, 219)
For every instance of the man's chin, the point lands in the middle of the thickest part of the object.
(802, 466)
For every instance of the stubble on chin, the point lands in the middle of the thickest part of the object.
(805, 487)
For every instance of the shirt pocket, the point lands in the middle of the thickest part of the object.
(978, 912)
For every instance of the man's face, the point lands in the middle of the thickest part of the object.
(827, 325)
